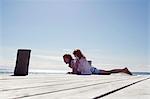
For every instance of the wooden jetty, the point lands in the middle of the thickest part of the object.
(67, 86)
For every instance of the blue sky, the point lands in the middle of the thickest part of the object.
(112, 33)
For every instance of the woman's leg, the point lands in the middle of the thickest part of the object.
(125, 70)
(104, 72)
(116, 70)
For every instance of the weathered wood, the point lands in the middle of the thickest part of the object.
(62, 86)
(22, 62)
(138, 91)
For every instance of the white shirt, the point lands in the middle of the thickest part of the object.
(84, 66)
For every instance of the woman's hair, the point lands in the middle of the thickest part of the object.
(78, 53)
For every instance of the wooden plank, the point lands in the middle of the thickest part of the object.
(34, 80)
(65, 86)
(88, 92)
(140, 90)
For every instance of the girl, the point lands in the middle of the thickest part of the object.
(85, 68)
(72, 64)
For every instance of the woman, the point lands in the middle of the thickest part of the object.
(85, 68)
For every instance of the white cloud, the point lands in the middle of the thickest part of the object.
(48, 57)
(52, 59)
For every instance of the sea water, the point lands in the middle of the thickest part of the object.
(34, 71)
(51, 71)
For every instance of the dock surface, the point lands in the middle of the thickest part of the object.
(67, 86)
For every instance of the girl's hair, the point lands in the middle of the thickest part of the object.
(78, 53)
(68, 56)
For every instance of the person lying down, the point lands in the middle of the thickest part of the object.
(81, 66)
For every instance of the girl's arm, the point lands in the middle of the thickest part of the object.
(75, 67)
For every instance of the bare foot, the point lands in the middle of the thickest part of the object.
(125, 70)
